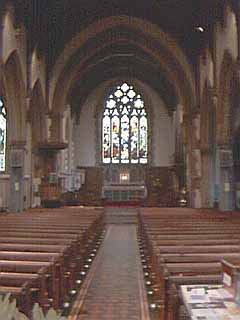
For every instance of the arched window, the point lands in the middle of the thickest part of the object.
(124, 127)
(3, 135)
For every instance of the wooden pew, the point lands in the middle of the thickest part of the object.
(22, 295)
(36, 281)
(36, 247)
(179, 252)
(34, 267)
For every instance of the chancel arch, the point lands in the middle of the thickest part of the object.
(113, 32)
(88, 139)
(122, 49)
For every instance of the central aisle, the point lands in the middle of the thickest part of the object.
(114, 288)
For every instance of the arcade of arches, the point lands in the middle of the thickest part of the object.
(119, 104)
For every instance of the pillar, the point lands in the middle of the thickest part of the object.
(16, 169)
(225, 177)
(56, 127)
(237, 13)
(195, 161)
(238, 28)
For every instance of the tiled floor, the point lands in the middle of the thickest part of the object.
(114, 288)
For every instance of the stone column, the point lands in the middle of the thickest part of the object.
(56, 129)
(223, 173)
(238, 28)
(186, 156)
(16, 169)
(215, 186)
(195, 161)
(225, 177)
(238, 37)
(76, 142)
(1, 33)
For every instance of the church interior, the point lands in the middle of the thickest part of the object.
(119, 159)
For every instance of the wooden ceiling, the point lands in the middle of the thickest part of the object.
(52, 23)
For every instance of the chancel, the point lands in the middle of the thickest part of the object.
(119, 158)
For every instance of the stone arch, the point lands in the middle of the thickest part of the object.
(15, 98)
(71, 76)
(13, 38)
(228, 8)
(13, 79)
(37, 114)
(158, 44)
(38, 72)
(133, 67)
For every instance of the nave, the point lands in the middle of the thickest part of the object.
(115, 287)
(106, 105)
(121, 102)
(100, 263)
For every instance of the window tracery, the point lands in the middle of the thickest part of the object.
(124, 127)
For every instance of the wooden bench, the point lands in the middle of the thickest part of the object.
(43, 252)
(179, 252)
(23, 296)
(36, 281)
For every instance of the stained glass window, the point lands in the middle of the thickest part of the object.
(124, 127)
(3, 135)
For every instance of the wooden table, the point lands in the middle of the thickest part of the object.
(209, 302)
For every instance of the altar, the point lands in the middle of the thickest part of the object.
(124, 192)
(124, 184)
